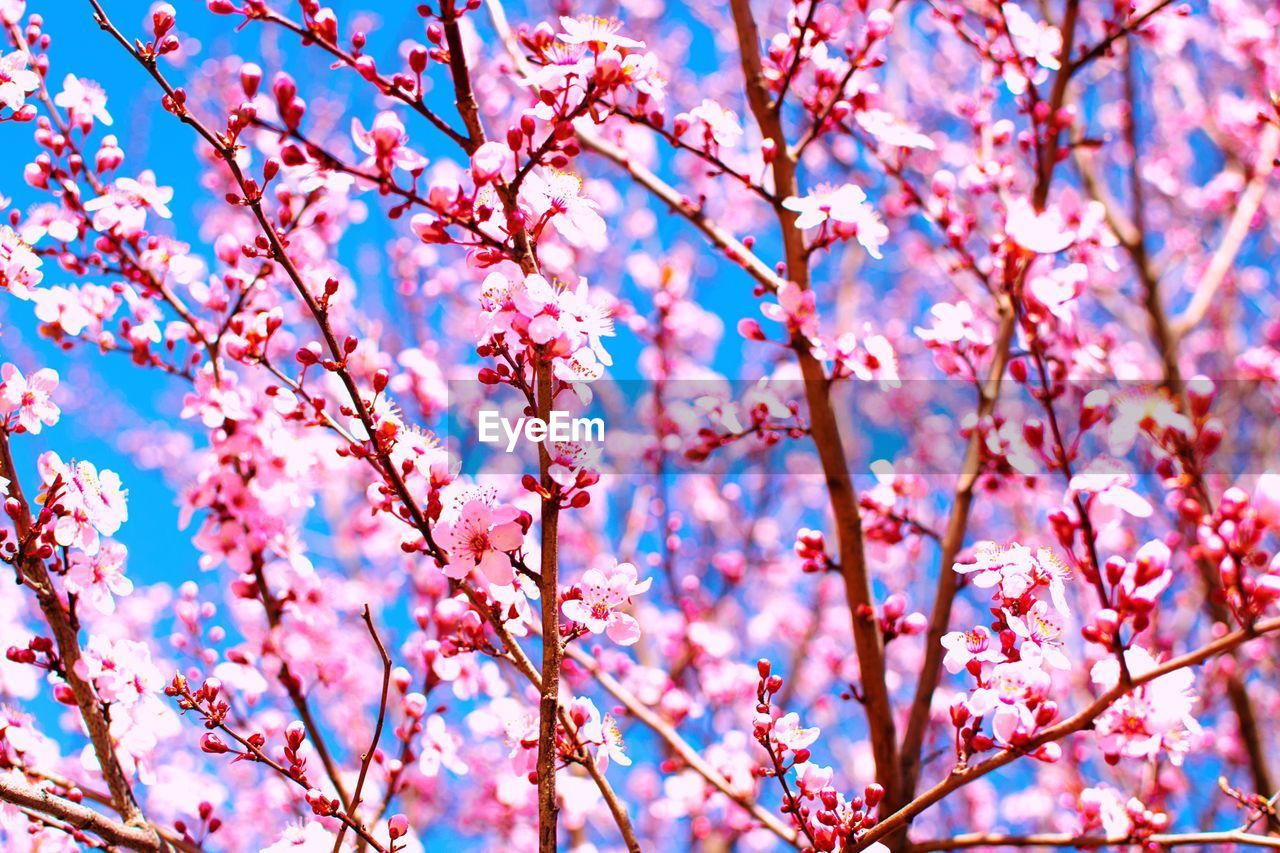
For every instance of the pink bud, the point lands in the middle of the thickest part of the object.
(879, 23)
(210, 743)
(250, 78)
(489, 161)
(750, 329)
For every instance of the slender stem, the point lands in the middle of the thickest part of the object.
(367, 758)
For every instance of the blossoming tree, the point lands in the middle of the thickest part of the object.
(937, 352)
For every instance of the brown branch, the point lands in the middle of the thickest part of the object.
(84, 818)
(825, 430)
(413, 101)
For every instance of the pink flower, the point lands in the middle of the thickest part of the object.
(1146, 576)
(124, 206)
(479, 538)
(489, 162)
(965, 646)
(602, 732)
(720, 125)
(16, 80)
(93, 503)
(796, 308)
(846, 206)
(84, 102)
(891, 130)
(308, 837)
(595, 32)
(1056, 292)
(67, 307)
(788, 732)
(1038, 42)
(953, 324)
(19, 265)
(1016, 571)
(601, 594)
(557, 197)
(1110, 487)
(1042, 627)
(874, 360)
(1008, 696)
(120, 670)
(386, 143)
(98, 577)
(1040, 233)
(1154, 716)
(31, 398)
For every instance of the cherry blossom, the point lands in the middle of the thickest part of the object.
(556, 197)
(84, 101)
(16, 80)
(30, 397)
(479, 537)
(386, 144)
(93, 502)
(124, 207)
(600, 596)
(19, 265)
(846, 206)
(1155, 717)
(100, 577)
(1042, 233)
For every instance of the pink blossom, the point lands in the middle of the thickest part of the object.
(796, 308)
(490, 161)
(93, 502)
(973, 645)
(1041, 233)
(31, 398)
(1153, 717)
(479, 537)
(596, 32)
(788, 732)
(120, 670)
(306, 837)
(124, 206)
(84, 101)
(386, 143)
(99, 577)
(557, 197)
(16, 80)
(19, 265)
(720, 125)
(845, 205)
(602, 594)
